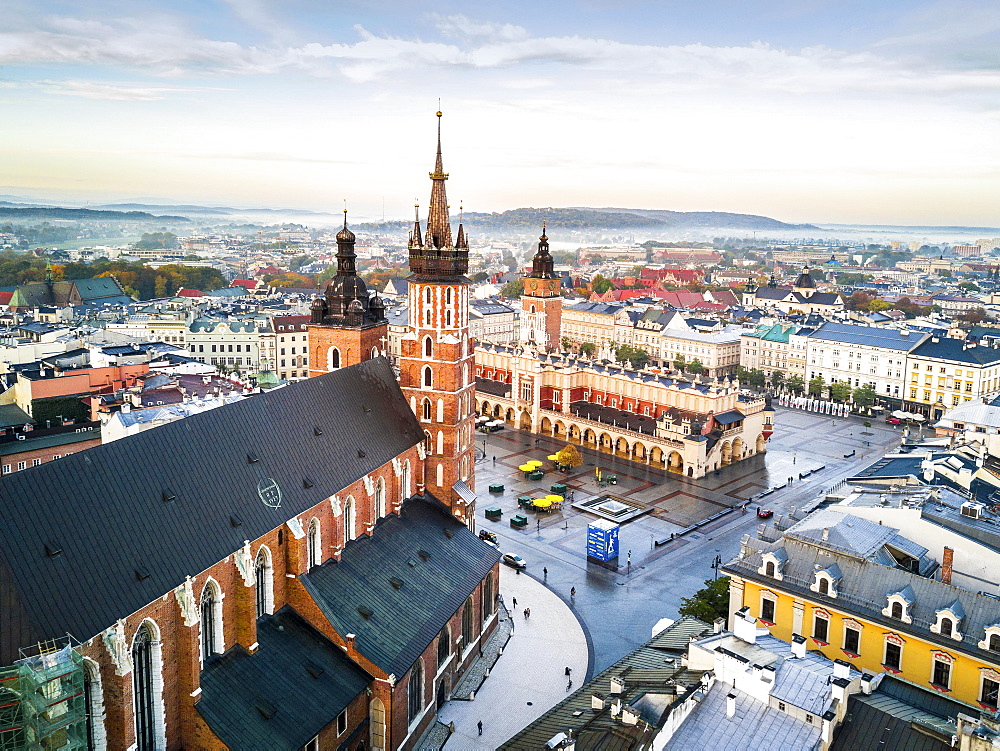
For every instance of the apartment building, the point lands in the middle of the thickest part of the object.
(943, 373)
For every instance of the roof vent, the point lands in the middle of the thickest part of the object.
(307, 483)
(52, 549)
(361, 454)
(314, 670)
(252, 458)
(448, 533)
(365, 611)
(141, 573)
(424, 555)
(169, 496)
(235, 520)
(396, 582)
(266, 709)
(317, 430)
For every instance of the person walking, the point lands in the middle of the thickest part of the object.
(480, 726)
(572, 591)
(525, 612)
(514, 600)
(545, 572)
(494, 461)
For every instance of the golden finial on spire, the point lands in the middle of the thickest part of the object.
(345, 213)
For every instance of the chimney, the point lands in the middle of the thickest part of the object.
(826, 534)
(866, 683)
(841, 669)
(730, 705)
(798, 646)
(947, 564)
(718, 625)
(745, 625)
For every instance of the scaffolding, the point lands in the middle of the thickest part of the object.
(43, 700)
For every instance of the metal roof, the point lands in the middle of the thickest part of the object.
(297, 676)
(869, 336)
(439, 561)
(115, 492)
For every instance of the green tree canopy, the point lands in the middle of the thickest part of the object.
(709, 602)
(840, 391)
(795, 384)
(587, 349)
(816, 386)
(777, 378)
(680, 362)
(757, 378)
(696, 367)
(865, 395)
(600, 285)
(513, 288)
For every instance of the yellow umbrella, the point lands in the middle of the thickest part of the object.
(554, 498)
(541, 503)
(534, 463)
(553, 457)
(526, 467)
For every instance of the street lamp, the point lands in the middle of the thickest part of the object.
(716, 565)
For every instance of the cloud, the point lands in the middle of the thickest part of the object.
(119, 92)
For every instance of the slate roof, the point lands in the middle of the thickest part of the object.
(844, 532)
(957, 350)
(11, 415)
(439, 561)
(866, 584)
(297, 676)
(870, 336)
(646, 672)
(104, 507)
(730, 417)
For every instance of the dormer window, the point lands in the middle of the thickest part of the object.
(826, 580)
(772, 563)
(949, 620)
(991, 641)
(898, 605)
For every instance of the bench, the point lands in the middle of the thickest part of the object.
(519, 520)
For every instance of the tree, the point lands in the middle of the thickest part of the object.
(569, 456)
(795, 384)
(816, 386)
(480, 276)
(513, 288)
(588, 349)
(864, 396)
(757, 378)
(840, 391)
(600, 285)
(777, 378)
(858, 301)
(680, 362)
(973, 316)
(696, 367)
(709, 602)
(566, 343)
(877, 305)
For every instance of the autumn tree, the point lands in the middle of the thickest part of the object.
(569, 456)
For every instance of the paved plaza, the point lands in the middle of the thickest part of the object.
(617, 609)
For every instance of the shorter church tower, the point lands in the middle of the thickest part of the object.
(541, 303)
(348, 326)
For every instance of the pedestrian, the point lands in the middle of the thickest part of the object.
(568, 671)
(480, 726)
(525, 614)
(538, 524)
(545, 572)
(514, 600)
(494, 461)
(572, 591)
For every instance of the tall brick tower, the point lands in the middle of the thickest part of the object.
(436, 358)
(541, 303)
(347, 325)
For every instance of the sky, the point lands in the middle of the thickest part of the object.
(803, 110)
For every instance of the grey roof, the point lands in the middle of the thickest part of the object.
(437, 559)
(865, 585)
(906, 593)
(116, 491)
(297, 676)
(844, 532)
(957, 350)
(754, 725)
(13, 416)
(870, 336)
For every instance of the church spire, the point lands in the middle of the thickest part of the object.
(438, 223)
(416, 241)
(461, 241)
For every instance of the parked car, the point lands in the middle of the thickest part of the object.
(892, 420)
(489, 538)
(515, 561)
(764, 513)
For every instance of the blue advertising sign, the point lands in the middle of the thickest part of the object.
(602, 540)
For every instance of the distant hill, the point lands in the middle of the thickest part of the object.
(57, 212)
(583, 218)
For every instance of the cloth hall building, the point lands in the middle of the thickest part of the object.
(295, 570)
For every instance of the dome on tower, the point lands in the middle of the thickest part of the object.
(805, 280)
(345, 235)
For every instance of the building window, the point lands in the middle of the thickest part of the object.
(852, 640)
(349, 525)
(314, 546)
(427, 409)
(36, 462)
(821, 629)
(265, 583)
(942, 674)
(342, 723)
(415, 691)
(946, 626)
(994, 643)
(428, 377)
(769, 569)
(22, 466)
(893, 655)
(379, 498)
(989, 693)
(467, 623)
(312, 745)
(211, 621)
(897, 610)
(767, 610)
(332, 358)
(146, 689)
(428, 347)
(444, 647)
(824, 586)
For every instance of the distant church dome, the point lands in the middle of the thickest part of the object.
(805, 280)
